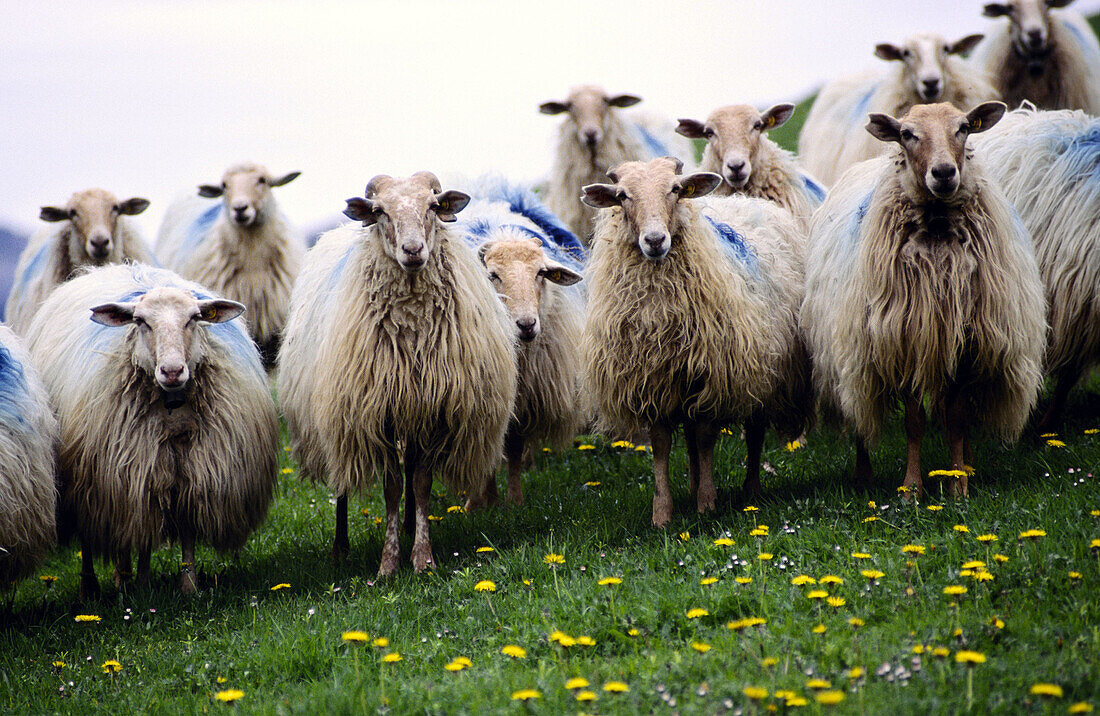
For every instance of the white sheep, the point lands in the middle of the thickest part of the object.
(168, 428)
(925, 69)
(921, 283)
(752, 164)
(535, 264)
(1043, 54)
(596, 136)
(692, 319)
(1048, 165)
(243, 247)
(92, 229)
(397, 350)
(28, 435)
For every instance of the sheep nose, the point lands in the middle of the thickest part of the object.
(590, 136)
(240, 208)
(931, 85)
(943, 172)
(736, 167)
(171, 374)
(654, 239)
(525, 324)
(412, 249)
(99, 244)
(1035, 37)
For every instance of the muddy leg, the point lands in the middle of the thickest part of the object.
(693, 457)
(422, 541)
(513, 453)
(661, 436)
(754, 441)
(89, 585)
(954, 416)
(1064, 381)
(189, 581)
(340, 546)
(914, 433)
(706, 434)
(123, 575)
(864, 477)
(410, 498)
(391, 546)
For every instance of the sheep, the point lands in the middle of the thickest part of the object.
(92, 229)
(594, 137)
(1047, 164)
(168, 430)
(242, 248)
(396, 348)
(534, 263)
(28, 434)
(752, 164)
(1043, 54)
(926, 69)
(692, 319)
(922, 282)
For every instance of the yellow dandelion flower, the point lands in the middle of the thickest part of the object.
(554, 559)
(377, 520)
(765, 556)
(986, 538)
(873, 574)
(697, 612)
(354, 636)
(860, 555)
(592, 483)
(616, 687)
(1074, 575)
(750, 508)
(996, 623)
(1092, 431)
(455, 508)
(456, 665)
(1049, 435)
(856, 672)
(1095, 544)
(434, 518)
(633, 632)
(516, 652)
(872, 504)
(526, 695)
(1043, 689)
(485, 585)
(700, 647)
(756, 693)
(954, 590)
(111, 666)
(567, 641)
(280, 586)
(556, 635)
(818, 684)
(609, 581)
(723, 542)
(784, 694)
(758, 533)
(1081, 707)
(642, 448)
(934, 508)
(793, 445)
(828, 698)
(288, 470)
(913, 549)
(961, 528)
(816, 594)
(1056, 443)
(902, 490)
(623, 444)
(918, 649)
(973, 564)
(585, 696)
(803, 579)
(797, 700)
(483, 550)
(59, 665)
(87, 618)
(819, 629)
(856, 622)
(577, 682)
(941, 651)
(831, 579)
(743, 580)
(872, 518)
(229, 695)
(983, 576)
(586, 447)
(381, 642)
(708, 580)
(586, 641)
(768, 661)
(1032, 534)
(392, 657)
(48, 578)
(1000, 558)
(970, 657)
(835, 602)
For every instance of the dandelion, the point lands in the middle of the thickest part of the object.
(1055, 443)
(855, 622)
(947, 473)
(835, 602)
(111, 666)
(829, 698)
(392, 658)
(586, 447)
(970, 657)
(983, 576)
(986, 538)
(816, 594)
(280, 586)
(793, 445)
(872, 518)
(357, 637)
(455, 508)
(918, 649)
(516, 652)
(903, 490)
(803, 579)
(819, 629)
(288, 470)
(577, 682)
(856, 672)
(1074, 575)
(434, 518)
(784, 694)
(642, 448)
(48, 579)
(757, 532)
(745, 623)
(764, 556)
(229, 695)
(586, 641)
(750, 508)
(1081, 707)
(873, 574)
(831, 579)
(586, 696)
(743, 580)
(1043, 689)
(1000, 558)
(633, 632)
(954, 590)
(381, 642)
(483, 550)
(609, 581)
(59, 665)
(914, 549)
(1092, 431)
(860, 555)
(697, 612)
(818, 684)
(87, 618)
(934, 508)
(961, 528)
(1049, 435)
(623, 444)
(941, 651)
(973, 564)
(485, 585)
(708, 581)
(769, 661)
(700, 647)
(457, 665)
(1032, 534)
(756, 693)
(554, 559)
(526, 695)
(996, 623)
(723, 542)
(616, 687)
(797, 700)
(1095, 544)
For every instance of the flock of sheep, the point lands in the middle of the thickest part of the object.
(926, 247)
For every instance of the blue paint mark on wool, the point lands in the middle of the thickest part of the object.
(13, 390)
(526, 204)
(199, 229)
(1087, 45)
(654, 146)
(734, 244)
(815, 189)
(37, 265)
(865, 101)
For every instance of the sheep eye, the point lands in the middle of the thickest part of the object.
(194, 317)
(224, 186)
(708, 133)
(758, 125)
(261, 180)
(621, 196)
(906, 53)
(493, 276)
(139, 321)
(907, 136)
(116, 208)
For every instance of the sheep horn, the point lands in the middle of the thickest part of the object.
(375, 185)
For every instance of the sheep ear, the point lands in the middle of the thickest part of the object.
(484, 249)
(886, 51)
(561, 275)
(777, 116)
(219, 310)
(554, 107)
(966, 44)
(210, 191)
(113, 314)
(1059, 3)
(690, 128)
(601, 196)
(133, 207)
(450, 203)
(699, 184)
(623, 100)
(285, 179)
(360, 209)
(884, 127)
(54, 213)
(985, 115)
(996, 9)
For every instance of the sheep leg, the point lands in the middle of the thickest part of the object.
(661, 437)
(422, 542)
(513, 452)
(487, 497)
(864, 476)
(391, 547)
(693, 457)
(754, 441)
(340, 545)
(955, 419)
(143, 565)
(189, 581)
(410, 496)
(914, 433)
(706, 434)
(1064, 382)
(89, 585)
(123, 574)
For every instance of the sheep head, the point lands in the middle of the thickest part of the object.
(649, 194)
(246, 192)
(924, 58)
(407, 213)
(734, 134)
(166, 322)
(589, 109)
(1030, 22)
(519, 269)
(933, 141)
(94, 214)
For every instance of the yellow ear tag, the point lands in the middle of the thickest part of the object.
(689, 190)
(445, 207)
(209, 314)
(975, 125)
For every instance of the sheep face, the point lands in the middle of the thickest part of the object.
(1030, 22)
(94, 217)
(924, 58)
(649, 194)
(733, 134)
(246, 192)
(407, 213)
(165, 324)
(519, 269)
(933, 142)
(589, 109)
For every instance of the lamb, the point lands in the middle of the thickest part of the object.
(594, 137)
(242, 248)
(92, 229)
(1043, 54)
(535, 264)
(692, 319)
(927, 69)
(752, 164)
(28, 435)
(397, 347)
(168, 431)
(921, 282)
(1048, 165)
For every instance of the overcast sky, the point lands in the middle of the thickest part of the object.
(151, 98)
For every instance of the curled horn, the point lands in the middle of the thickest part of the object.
(375, 184)
(432, 180)
(613, 175)
(677, 162)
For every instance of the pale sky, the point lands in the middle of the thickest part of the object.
(151, 98)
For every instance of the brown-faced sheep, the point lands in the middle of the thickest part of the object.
(921, 282)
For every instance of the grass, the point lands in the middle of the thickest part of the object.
(283, 647)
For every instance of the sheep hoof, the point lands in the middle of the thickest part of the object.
(388, 566)
(340, 551)
(706, 501)
(122, 579)
(516, 497)
(662, 511)
(89, 588)
(422, 559)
